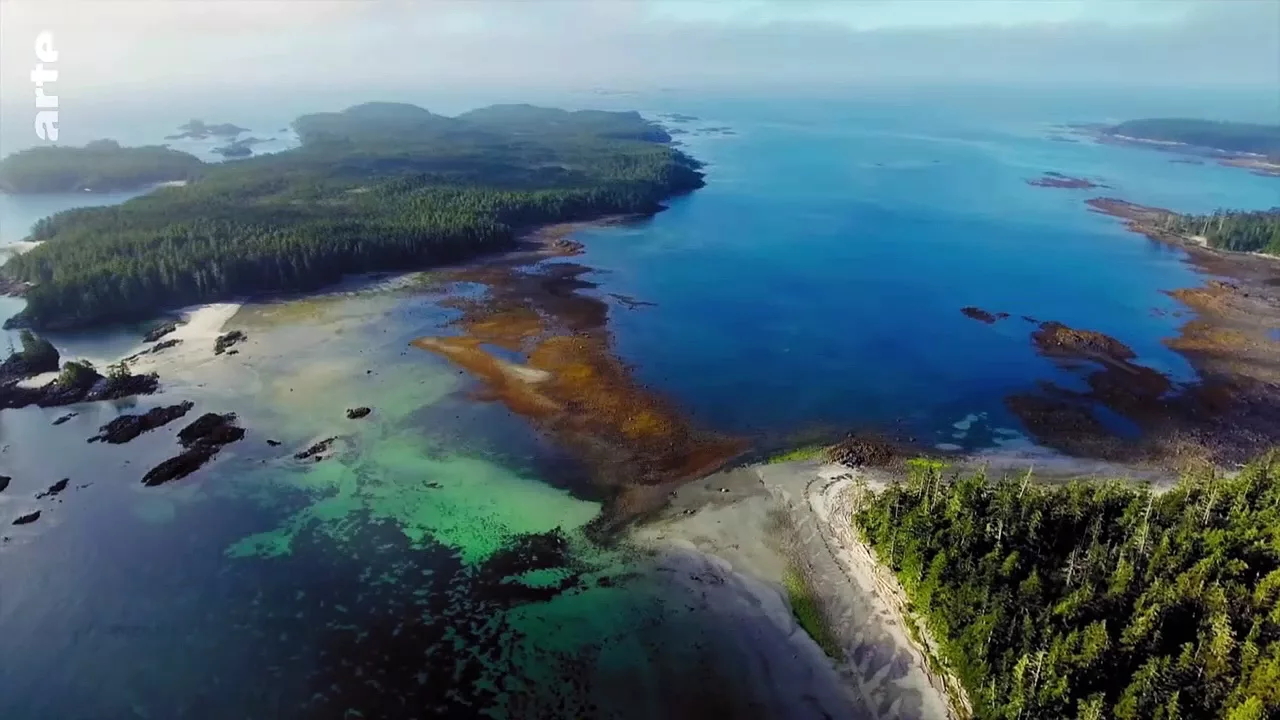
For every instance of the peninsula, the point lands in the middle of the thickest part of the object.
(1251, 146)
(100, 166)
(376, 187)
(1230, 137)
(1256, 231)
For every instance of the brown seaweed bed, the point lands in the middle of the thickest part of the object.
(1229, 413)
(540, 345)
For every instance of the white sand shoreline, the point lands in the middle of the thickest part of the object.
(199, 327)
(765, 521)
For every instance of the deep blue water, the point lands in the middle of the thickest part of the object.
(817, 280)
(814, 284)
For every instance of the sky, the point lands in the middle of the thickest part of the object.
(117, 48)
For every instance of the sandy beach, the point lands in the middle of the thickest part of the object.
(770, 522)
(199, 327)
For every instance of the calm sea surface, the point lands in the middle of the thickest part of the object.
(438, 560)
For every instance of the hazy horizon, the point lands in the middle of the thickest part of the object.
(122, 50)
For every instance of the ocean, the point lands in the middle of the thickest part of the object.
(438, 562)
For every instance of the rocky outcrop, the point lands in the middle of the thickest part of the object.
(178, 466)
(160, 331)
(127, 427)
(1058, 340)
(54, 489)
(4, 482)
(202, 439)
(316, 450)
(64, 418)
(211, 429)
(28, 518)
(357, 413)
(1058, 180)
(862, 451)
(977, 313)
(158, 347)
(226, 340)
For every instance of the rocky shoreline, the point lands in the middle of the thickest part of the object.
(1227, 415)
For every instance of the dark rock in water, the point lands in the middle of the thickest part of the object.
(160, 331)
(977, 313)
(202, 440)
(127, 427)
(12, 396)
(225, 341)
(4, 482)
(179, 466)
(357, 413)
(316, 449)
(1056, 339)
(28, 518)
(1058, 180)
(158, 347)
(54, 489)
(211, 429)
(273, 443)
(65, 418)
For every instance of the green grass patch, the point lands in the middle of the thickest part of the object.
(805, 452)
(805, 607)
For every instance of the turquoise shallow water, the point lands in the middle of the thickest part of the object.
(437, 561)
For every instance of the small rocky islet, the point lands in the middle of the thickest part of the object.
(983, 316)
(27, 518)
(201, 440)
(1058, 180)
(226, 341)
(78, 381)
(127, 427)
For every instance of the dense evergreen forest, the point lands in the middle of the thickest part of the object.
(1095, 599)
(100, 166)
(1227, 136)
(1240, 230)
(376, 187)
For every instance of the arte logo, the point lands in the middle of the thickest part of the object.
(46, 104)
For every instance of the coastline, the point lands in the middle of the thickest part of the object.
(1260, 165)
(1224, 416)
(771, 522)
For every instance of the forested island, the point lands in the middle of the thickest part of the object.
(376, 187)
(240, 148)
(100, 166)
(1094, 599)
(199, 130)
(1229, 137)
